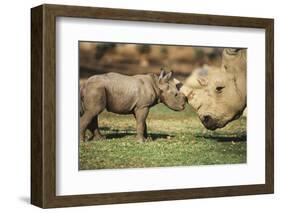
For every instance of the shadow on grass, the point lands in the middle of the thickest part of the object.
(153, 136)
(114, 133)
(224, 138)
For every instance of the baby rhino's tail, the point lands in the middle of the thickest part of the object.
(82, 108)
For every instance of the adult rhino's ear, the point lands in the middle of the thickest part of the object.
(234, 60)
(230, 53)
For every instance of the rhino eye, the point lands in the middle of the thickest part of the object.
(219, 89)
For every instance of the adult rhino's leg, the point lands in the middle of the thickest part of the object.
(141, 115)
(94, 128)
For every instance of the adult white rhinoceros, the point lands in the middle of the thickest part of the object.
(219, 94)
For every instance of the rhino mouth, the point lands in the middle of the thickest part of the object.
(209, 122)
(179, 108)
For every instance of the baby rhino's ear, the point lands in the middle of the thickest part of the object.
(168, 77)
(162, 74)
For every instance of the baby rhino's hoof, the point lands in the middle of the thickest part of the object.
(82, 138)
(141, 139)
(93, 138)
(98, 137)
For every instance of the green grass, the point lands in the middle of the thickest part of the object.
(175, 139)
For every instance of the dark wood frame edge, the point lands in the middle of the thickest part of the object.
(43, 105)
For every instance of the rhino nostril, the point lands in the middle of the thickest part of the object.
(209, 122)
(207, 119)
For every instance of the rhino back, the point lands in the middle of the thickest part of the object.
(125, 93)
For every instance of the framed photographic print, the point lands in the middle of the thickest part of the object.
(136, 106)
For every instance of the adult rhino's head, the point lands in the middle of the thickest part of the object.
(219, 94)
(169, 93)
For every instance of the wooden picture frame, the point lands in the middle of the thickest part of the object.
(43, 105)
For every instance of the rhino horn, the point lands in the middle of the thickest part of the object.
(176, 81)
(182, 88)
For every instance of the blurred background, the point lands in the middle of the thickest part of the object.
(132, 59)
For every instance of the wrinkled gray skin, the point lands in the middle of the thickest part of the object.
(219, 94)
(123, 94)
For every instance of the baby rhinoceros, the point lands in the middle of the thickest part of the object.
(123, 94)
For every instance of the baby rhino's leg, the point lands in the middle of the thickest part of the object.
(84, 122)
(94, 128)
(94, 103)
(141, 115)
